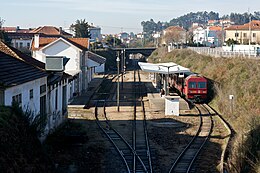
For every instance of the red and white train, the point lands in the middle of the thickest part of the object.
(190, 85)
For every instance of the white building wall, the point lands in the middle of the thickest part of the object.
(55, 116)
(21, 43)
(24, 89)
(61, 48)
(199, 35)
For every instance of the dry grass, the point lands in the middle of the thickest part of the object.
(236, 76)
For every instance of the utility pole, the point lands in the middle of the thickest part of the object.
(118, 61)
(249, 33)
(122, 69)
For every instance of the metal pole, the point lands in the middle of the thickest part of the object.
(168, 82)
(122, 69)
(117, 60)
(249, 33)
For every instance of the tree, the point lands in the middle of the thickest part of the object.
(81, 28)
(175, 36)
(114, 42)
(3, 36)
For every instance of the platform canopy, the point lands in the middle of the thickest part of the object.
(163, 68)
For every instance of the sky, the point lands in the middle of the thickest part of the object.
(113, 16)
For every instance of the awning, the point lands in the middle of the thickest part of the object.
(163, 68)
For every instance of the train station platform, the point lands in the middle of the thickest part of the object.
(83, 100)
(157, 103)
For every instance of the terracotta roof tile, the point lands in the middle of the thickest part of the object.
(255, 25)
(215, 28)
(81, 43)
(49, 30)
(175, 28)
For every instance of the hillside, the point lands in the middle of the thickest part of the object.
(231, 76)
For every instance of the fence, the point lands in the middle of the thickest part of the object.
(219, 52)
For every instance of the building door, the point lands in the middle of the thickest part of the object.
(43, 109)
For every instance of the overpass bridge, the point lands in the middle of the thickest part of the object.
(147, 51)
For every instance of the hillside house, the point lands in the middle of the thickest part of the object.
(175, 35)
(244, 33)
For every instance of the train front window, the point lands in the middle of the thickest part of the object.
(192, 85)
(201, 84)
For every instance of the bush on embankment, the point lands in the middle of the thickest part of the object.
(232, 76)
(20, 148)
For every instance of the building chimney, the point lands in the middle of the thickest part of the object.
(36, 41)
(60, 30)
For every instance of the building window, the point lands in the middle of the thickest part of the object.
(254, 34)
(244, 34)
(28, 45)
(20, 44)
(17, 99)
(42, 89)
(31, 94)
(16, 45)
(236, 34)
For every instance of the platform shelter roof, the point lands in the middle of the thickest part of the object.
(163, 68)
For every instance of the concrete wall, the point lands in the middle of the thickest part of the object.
(241, 48)
(24, 89)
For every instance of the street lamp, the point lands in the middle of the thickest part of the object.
(118, 61)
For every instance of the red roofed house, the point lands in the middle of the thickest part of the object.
(80, 65)
(21, 38)
(244, 33)
(173, 36)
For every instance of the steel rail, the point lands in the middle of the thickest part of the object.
(145, 128)
(190, 144)
(111, 140)
(210, 131)
(135, 155)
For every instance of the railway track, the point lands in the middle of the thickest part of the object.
(140, 135)
(135, 156)
(186, 159)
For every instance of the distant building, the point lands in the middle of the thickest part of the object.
(95, 33)
(123, 36)
(244, 33)
(21, 38)
(213, 22)
(174, 35)
(215, 36)
(199, 35)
